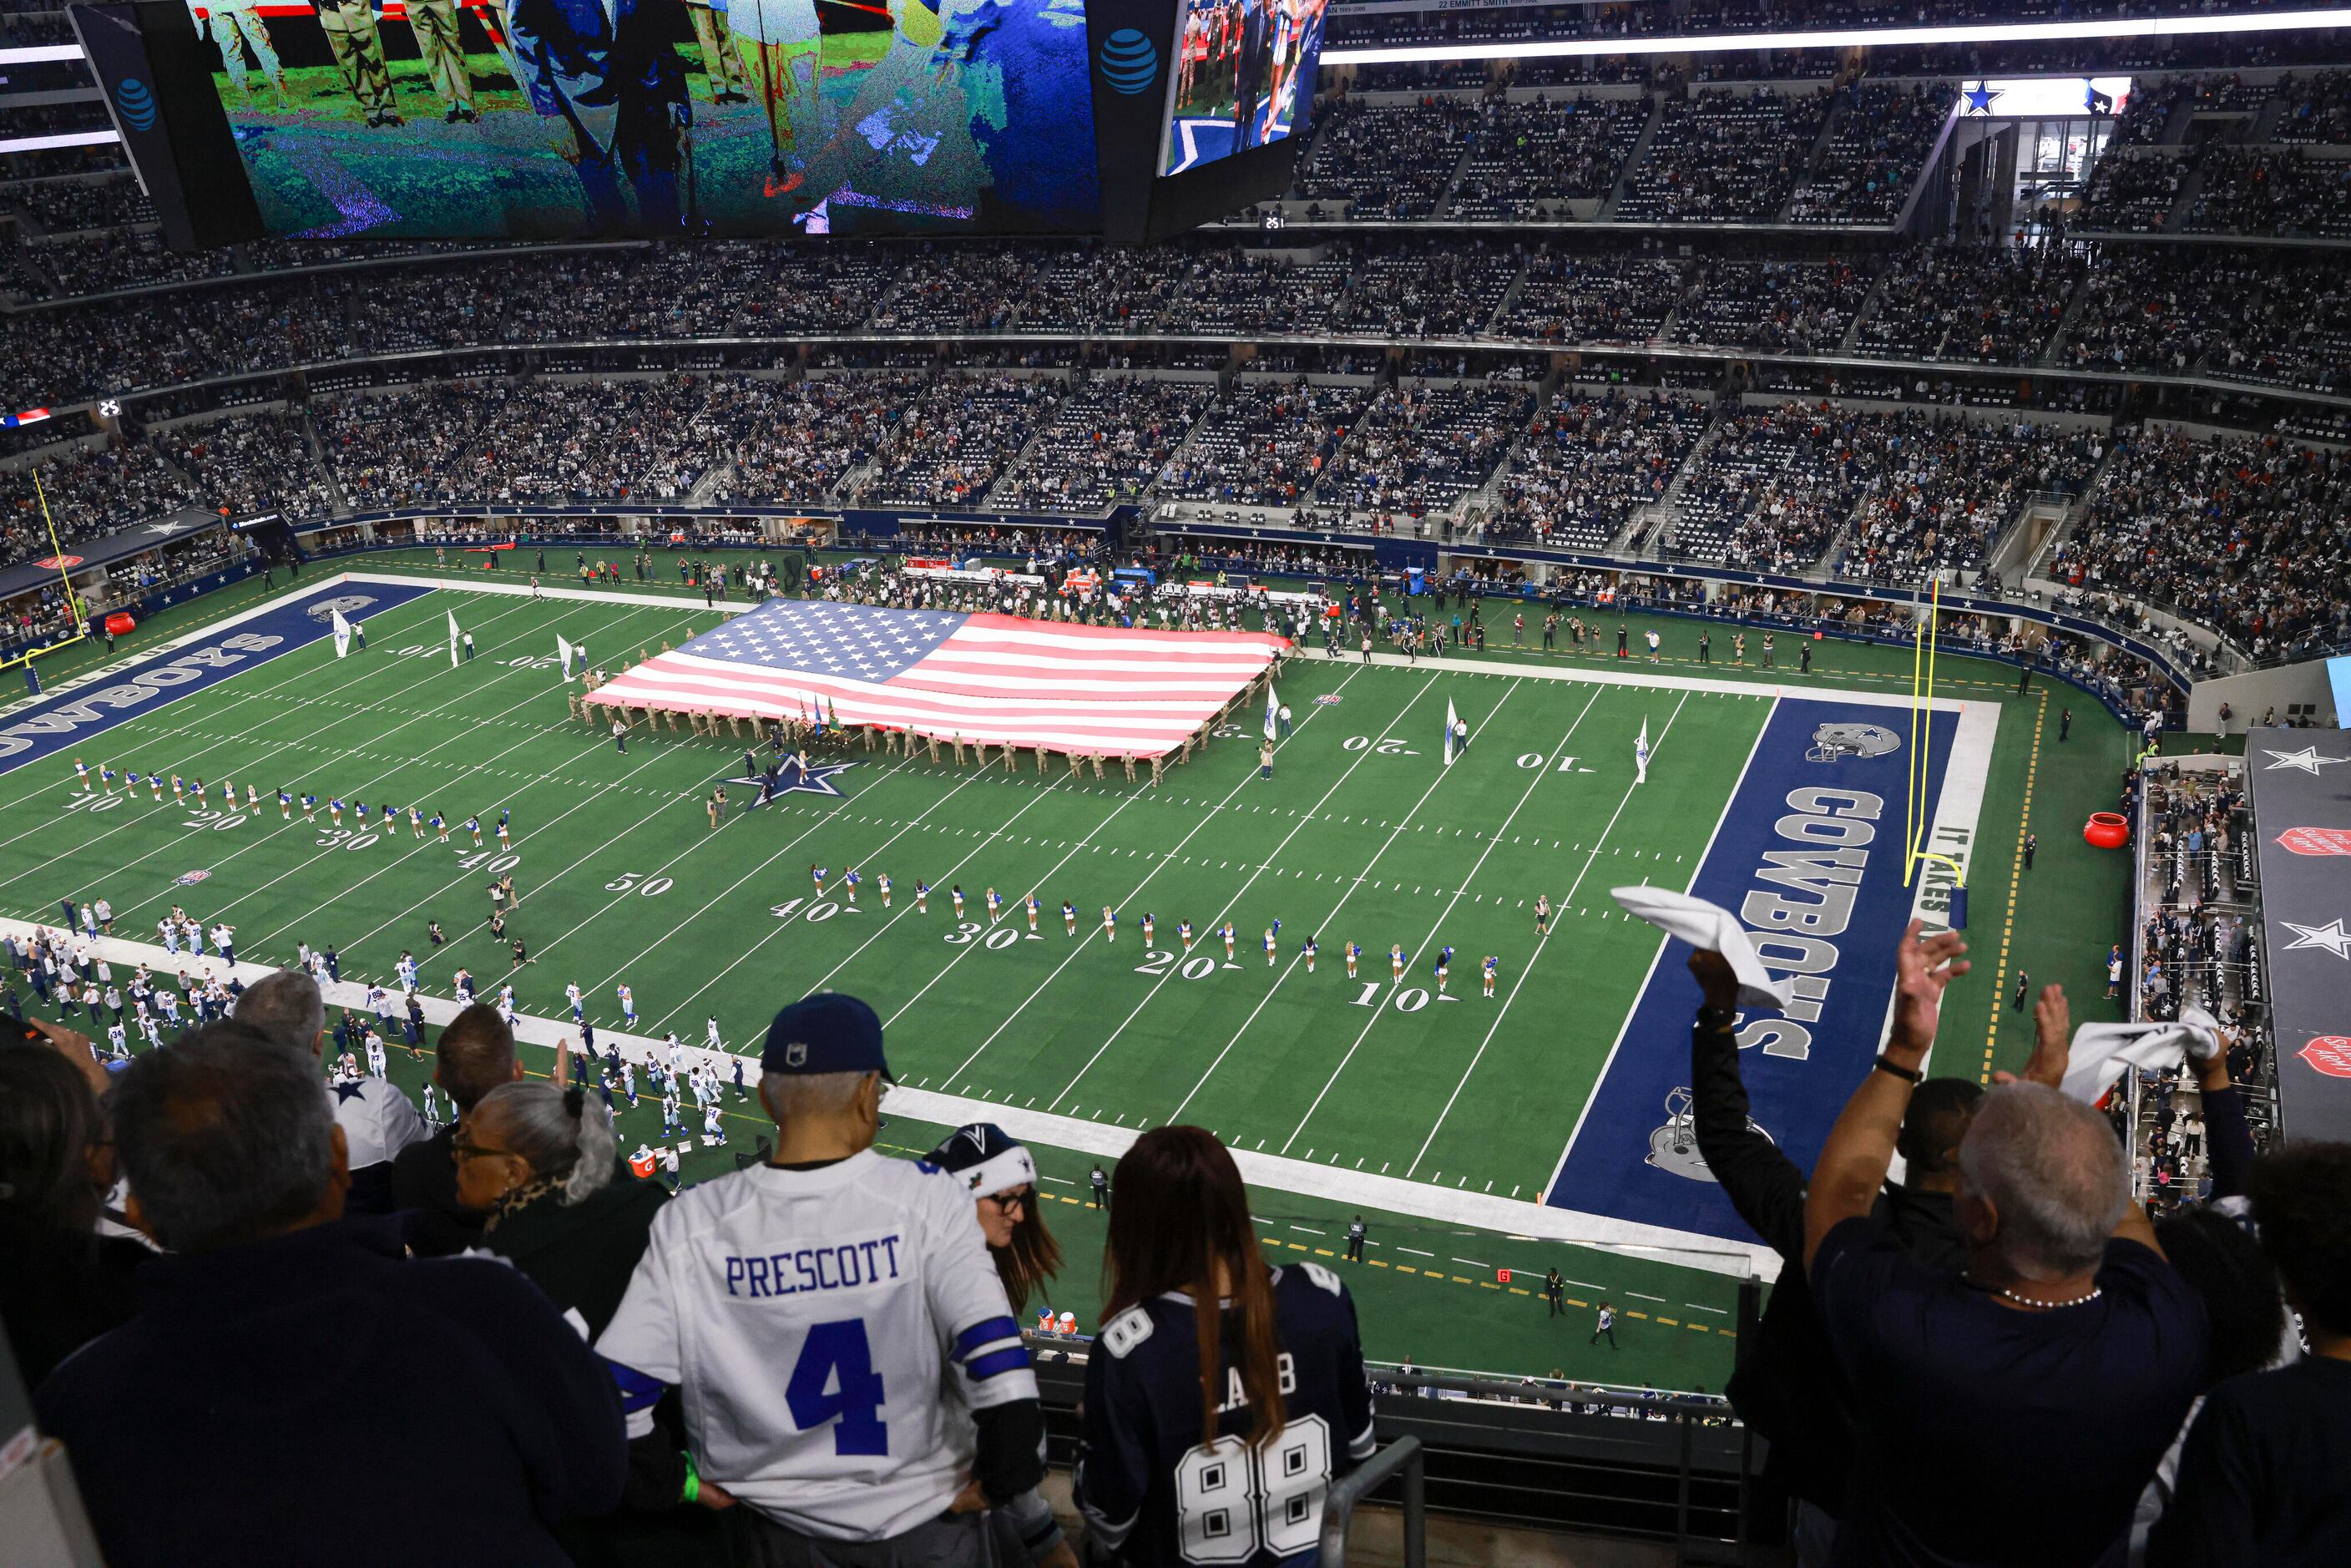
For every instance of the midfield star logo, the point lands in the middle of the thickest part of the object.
(2316, 841)
(791, 779)
(2329, 1053)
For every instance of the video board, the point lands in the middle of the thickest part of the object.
(1244, 78)
(488, 118)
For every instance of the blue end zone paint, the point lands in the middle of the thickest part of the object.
(80, 717)
(1799, 1069)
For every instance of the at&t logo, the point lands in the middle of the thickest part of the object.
(1130, 62)
(135, 102)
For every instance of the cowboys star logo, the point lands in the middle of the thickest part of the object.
(2306, 760)
(793, 778)
(2331, 937)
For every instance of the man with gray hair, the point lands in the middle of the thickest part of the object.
(854, 1374)
(378, 1120)
(278, 1329)
(2011, 1413)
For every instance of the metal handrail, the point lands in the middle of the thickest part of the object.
(1339, 1503)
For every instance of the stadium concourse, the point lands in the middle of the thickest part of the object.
(1220, 684)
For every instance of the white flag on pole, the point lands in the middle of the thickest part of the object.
(342, 636)
(1641, 754)
(1452, 722)
(564, 651)
(453, 639)
(1272, 706)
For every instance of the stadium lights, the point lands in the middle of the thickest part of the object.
(1844, 38)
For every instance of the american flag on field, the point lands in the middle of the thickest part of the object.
(1002, 680)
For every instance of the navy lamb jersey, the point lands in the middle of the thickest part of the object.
(1153, 1492)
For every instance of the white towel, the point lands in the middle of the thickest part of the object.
(1713, 928)
(2102, 1050)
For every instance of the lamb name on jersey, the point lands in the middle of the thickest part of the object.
(828, 1312)
(1222, 1503)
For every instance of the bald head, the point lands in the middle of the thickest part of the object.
(476, 1055)
(286, 1007)
(2053, 1171)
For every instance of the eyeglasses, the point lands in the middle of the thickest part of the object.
(465, 1151)
(1012, 1200)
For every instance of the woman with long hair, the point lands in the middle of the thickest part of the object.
(1222, 1396)
(1000, 1174)
(64, 1280)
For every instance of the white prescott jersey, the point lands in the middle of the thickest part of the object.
(828, 1327)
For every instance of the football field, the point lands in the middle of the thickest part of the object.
(1547, 1111)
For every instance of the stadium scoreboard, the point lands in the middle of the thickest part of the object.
(1127, 119)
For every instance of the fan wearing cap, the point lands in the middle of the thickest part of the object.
(1001, 1174)
(829, 1315)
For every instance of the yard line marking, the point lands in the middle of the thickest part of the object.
(194, 726)
(1160, 984)
(272, 751)
(466, 874)
(1133, 894)
(1648, 975)
(188, 640)
(1541, 942)
(1377, 1013)
(822, 819)
(449, 886)
(900, 914)
(1296, 960)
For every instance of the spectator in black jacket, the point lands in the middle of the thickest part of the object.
(539, 1163)
(2266, 1474)
(477, 1054)
(2013, 1413)
(62, 1284)
(281, 1334)
(1788, 1387)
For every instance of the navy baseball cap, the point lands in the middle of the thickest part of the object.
(827, 1032)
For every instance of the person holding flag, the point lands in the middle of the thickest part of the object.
(454, 636)
(1457, 734)
(1641, 754)
(564, 652)
(342, 636)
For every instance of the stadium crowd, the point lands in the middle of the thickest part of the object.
(215, 1215)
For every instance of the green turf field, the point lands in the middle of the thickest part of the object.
(1362, 836)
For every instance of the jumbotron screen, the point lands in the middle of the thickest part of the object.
(499, 118)
(1244, 78)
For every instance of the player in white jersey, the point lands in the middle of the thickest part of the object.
(572, 994)
(710, 1032)
(120, 1038)
(375, 1055)
(628, 1004)
(833, 1315)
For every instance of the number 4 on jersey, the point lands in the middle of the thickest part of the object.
(834, 1379)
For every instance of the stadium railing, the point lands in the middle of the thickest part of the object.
(1406, 1455)
(1505, 1454)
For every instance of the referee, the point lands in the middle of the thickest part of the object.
(853, 1374)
